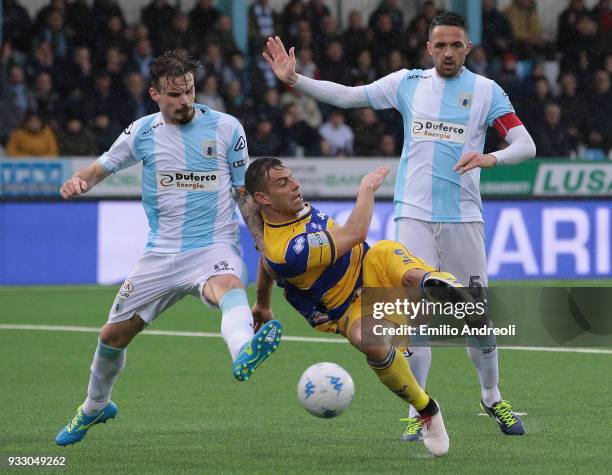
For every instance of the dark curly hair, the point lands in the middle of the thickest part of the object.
(172, 64)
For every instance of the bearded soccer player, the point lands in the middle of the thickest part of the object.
(322, 267)
(194, 160)
(438, 210)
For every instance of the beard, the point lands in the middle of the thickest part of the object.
(185, 116)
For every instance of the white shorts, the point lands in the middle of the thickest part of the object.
(160, 280)
(458, 248)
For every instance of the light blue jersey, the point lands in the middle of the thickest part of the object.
(187, 177)
(443, 120)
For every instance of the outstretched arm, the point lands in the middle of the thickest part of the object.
(355, 231)
(83, 180)
(252, 216)
(283, 65)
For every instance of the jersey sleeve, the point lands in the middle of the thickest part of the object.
(238, 156)
(500, 104)
(382, 94)
(121, 154)
(308, 251)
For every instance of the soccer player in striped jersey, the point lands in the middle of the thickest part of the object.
(322, 267)
(438, 210)
(193, 165)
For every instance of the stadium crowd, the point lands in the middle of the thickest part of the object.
(76, 74)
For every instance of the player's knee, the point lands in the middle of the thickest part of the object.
(119, 335)
(219, 285)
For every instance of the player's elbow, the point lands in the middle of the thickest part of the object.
(531, 148)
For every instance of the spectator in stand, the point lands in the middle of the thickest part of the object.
(388, 7)
(113, 36)
(305, 64)
(293, 13)
(305, 37)
(211, 61)
(332, 66)
(427, 12)
(599, 119)
(76, 140)
(337, 135)
(114, 67)
(105, 98)
(203, 17)
(42, 15)
(16, 25)
(180, 35)
(32, 139)
(270, 106)
(80, 22)
(355, 38)
(222, 35)
(135, 101)
(549, 135)
(363, 73)
(102, 11)
(262, 23)
(14, 97)
(263, 142)
(508, 79)
(142, 55)
(386, 39)
(526, 28)
(236, 70)
(602, 13)
(105, 132)
(574, 109)
(368, 131)
(307, 107)
(41, 60)
(156, 16)
(394, 61)
(234, 99)
(209, 94)
(327, 35)
(532, 109)
(47, 101)
(477, 61)
(584, 43)
(415, 39)
(78, 72)
(386, 147)
(567, 25)
(496, 30)
(316, 10)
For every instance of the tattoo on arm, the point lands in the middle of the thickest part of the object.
(252, 217)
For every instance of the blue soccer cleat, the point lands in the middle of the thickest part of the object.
(254, 352)
(81, 423)
(508, 421)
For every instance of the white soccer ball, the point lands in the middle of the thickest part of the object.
(326, 390)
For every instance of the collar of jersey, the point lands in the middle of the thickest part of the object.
(197, 107)
(307, 211)
(437, 77)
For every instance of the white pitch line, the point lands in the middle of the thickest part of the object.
(307, 339)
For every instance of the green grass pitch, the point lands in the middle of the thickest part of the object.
(181, 411)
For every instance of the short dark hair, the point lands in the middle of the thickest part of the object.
(447, 19)
(172, 64)
(258, 169)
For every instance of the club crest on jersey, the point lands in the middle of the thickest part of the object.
(317, 240)
(465, 100)
(209, 148)
(299, 244)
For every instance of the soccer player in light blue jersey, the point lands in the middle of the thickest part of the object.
(193, 166)
(438, 210)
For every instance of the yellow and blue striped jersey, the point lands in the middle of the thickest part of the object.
(302, 253)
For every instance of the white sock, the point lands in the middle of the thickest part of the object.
(483, 353)
(107, 364)
(419, 358)
(236, 321)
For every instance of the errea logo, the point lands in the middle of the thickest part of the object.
(187, 181)
(436, 130)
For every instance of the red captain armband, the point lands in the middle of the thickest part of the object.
(506, 122)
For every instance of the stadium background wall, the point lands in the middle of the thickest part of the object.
(99, 241)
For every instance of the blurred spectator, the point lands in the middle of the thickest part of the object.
(14, 97)
(78, 72)
(293, 13)
(386, 147)
(32, 139)
(337, 135)
(332, 66)
(304, 64)
(236, 70)
(386, 38)
(364, 73)
(316, 10)
(179, 36)
(477, 61)
(308, 109)
(550, 135)
(113, 36)
(41, 60)
(102, 11)
(75, 139)
(211, 61)
(387, 7)
(297, 138)
(427, 12)
(234, 99)
(9, 57)
(222, 35)
(603, 16)
(600, 113)
(157, 15)
(567, 25)
(355, 38)
(203, 16)
(526, 27)
(416, 38)
(209, 94)
(532, 110)
(104, 99)
(105, 132)
(47, 101)
(328, 34)
(16, 25)
(262, 21)
(394, 61)
(142, 55)
(263, 142)
(80, 22)
(270, 106)
(584, 44)
(574, 109)
(496, 30)
(368, 131)
(42, 15)
(305, 38)
(114, 67)
(135, 101)
(507, 77)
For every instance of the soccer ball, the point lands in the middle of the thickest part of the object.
(326, 390)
